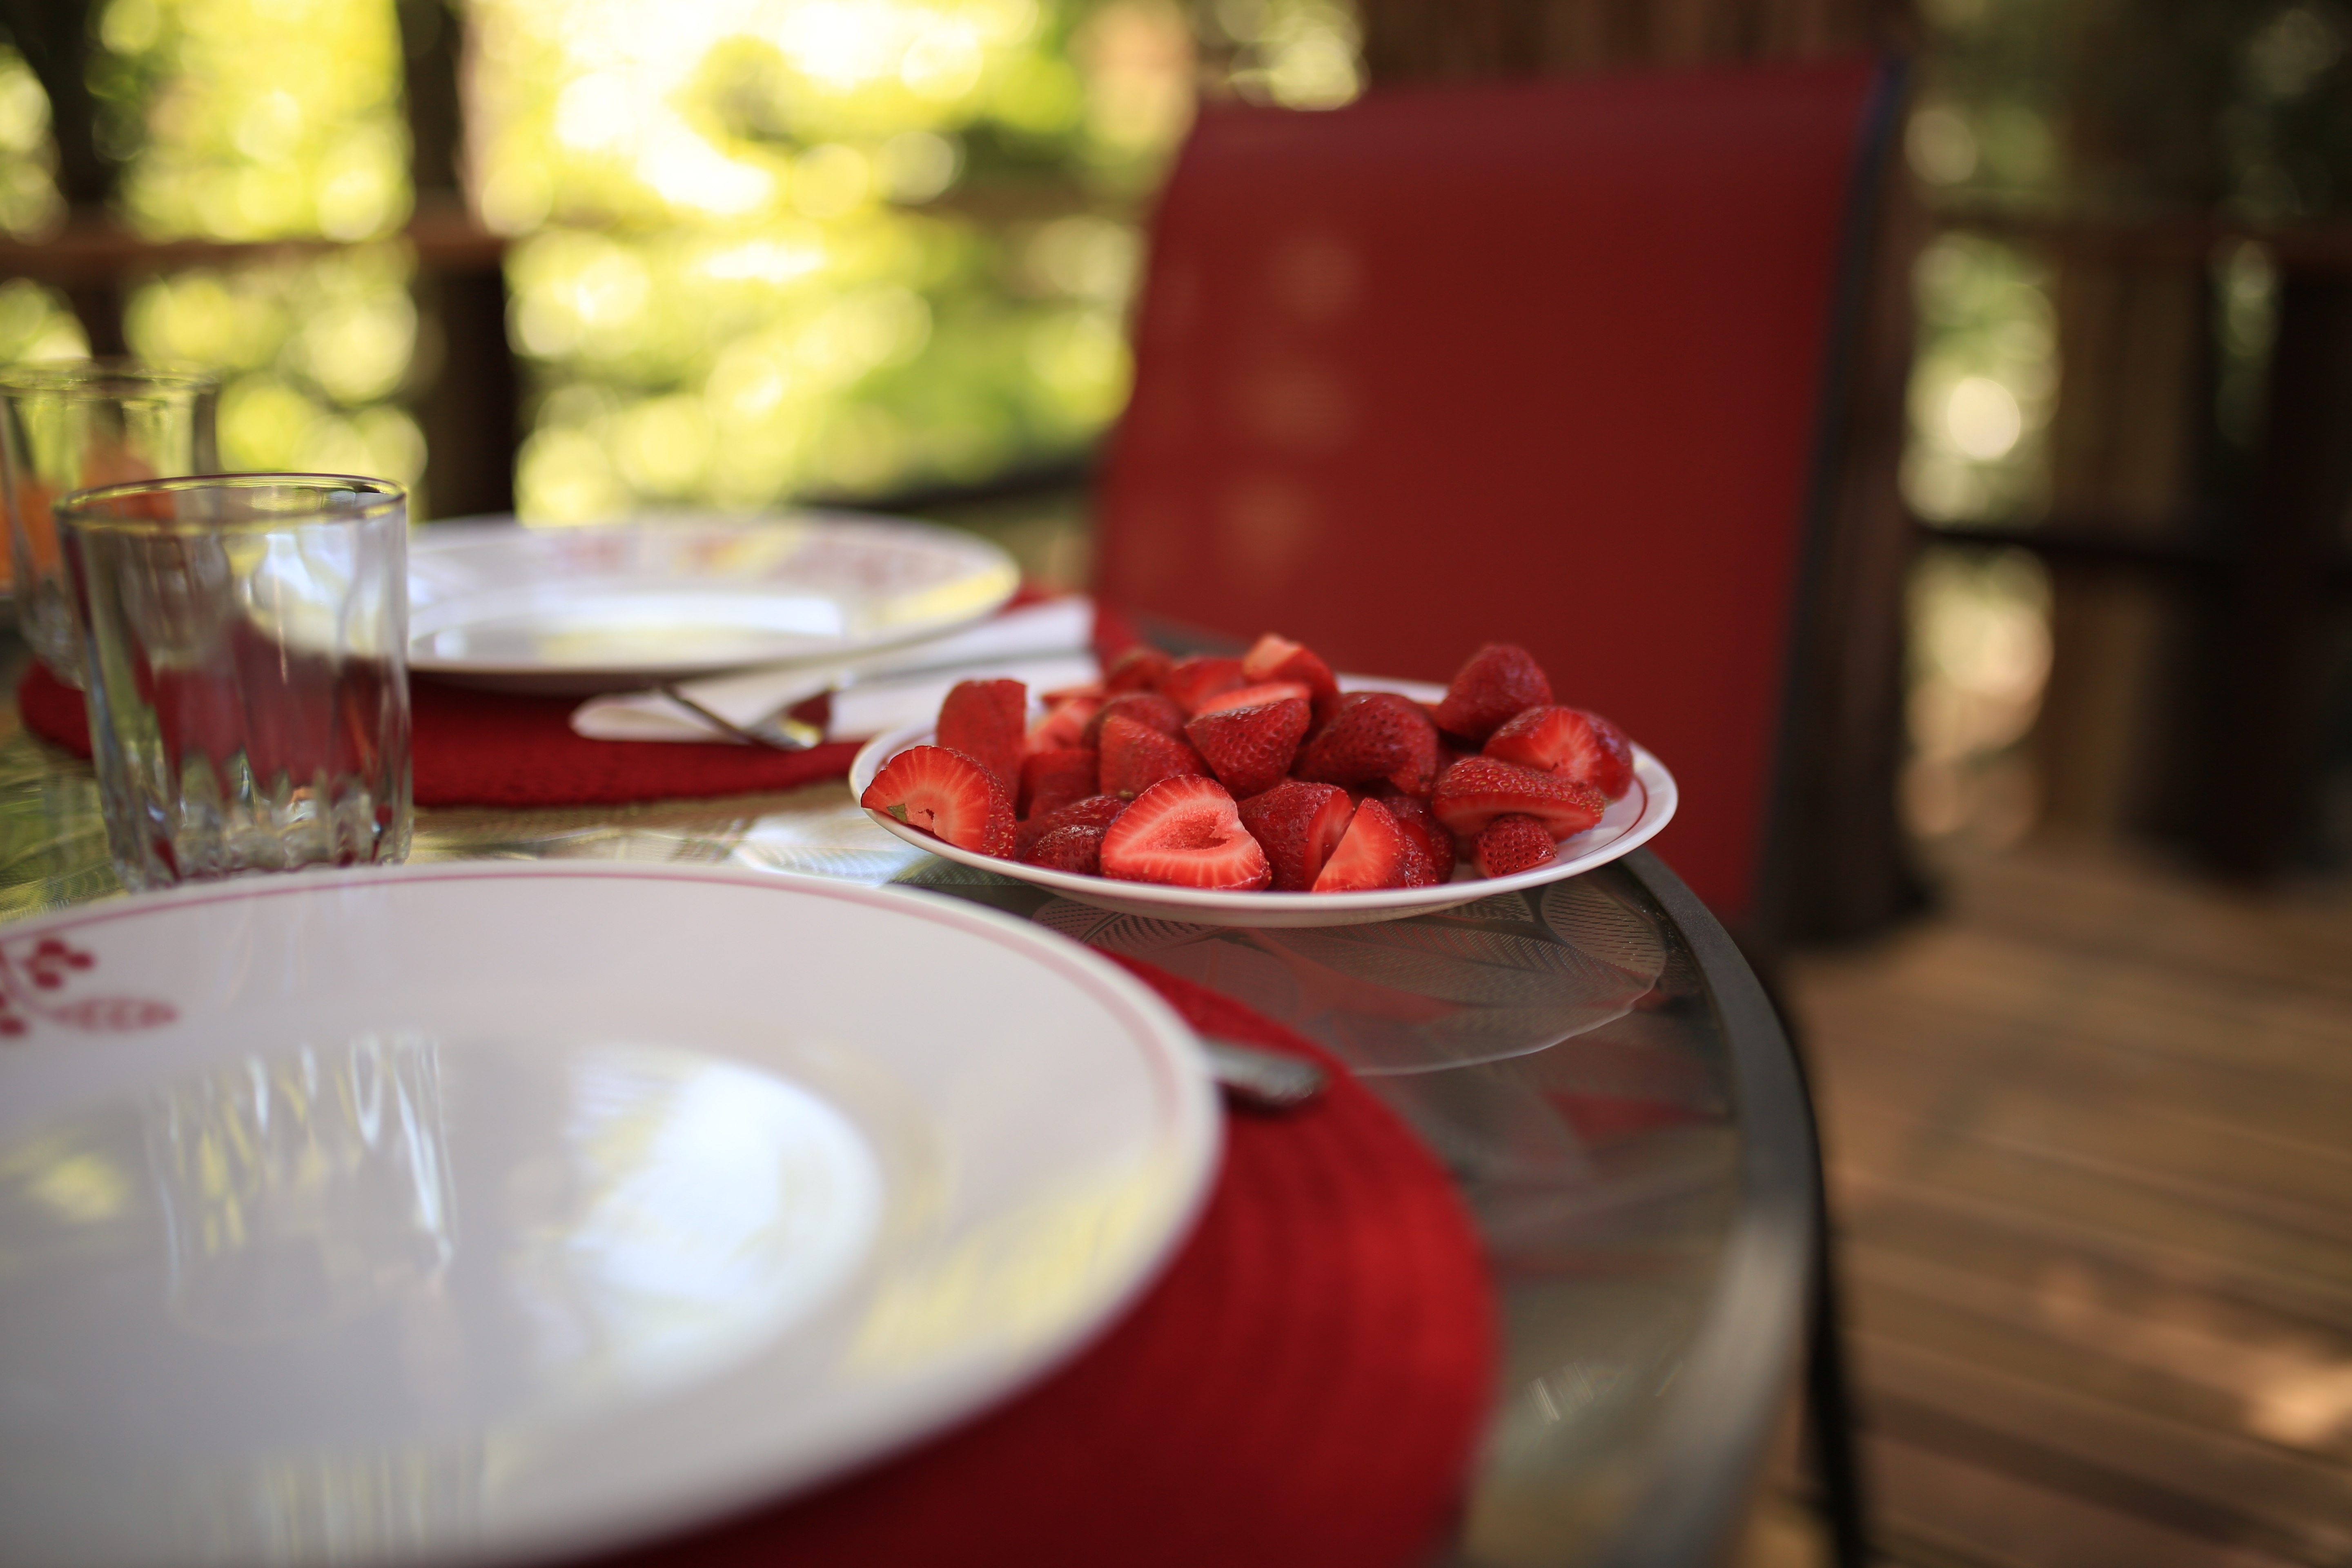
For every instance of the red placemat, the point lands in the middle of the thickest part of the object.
(1302, 1389)
(492, 749)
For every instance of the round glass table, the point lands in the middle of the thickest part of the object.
(1593, 1062)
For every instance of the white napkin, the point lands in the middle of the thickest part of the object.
(1043, 644)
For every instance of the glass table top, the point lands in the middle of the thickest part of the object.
(1563, 1050)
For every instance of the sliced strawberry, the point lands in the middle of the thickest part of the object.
(947, 794)
(1373, 735)
(1134, 757)
(1583, 746)
(1148, 709)
(1065, 723)
(1374, 853)
(1298, 825)
(1500, 679)
(1511, 843)
(1073, 846)
(1431, 841)
(1249, 749)
(1094, 811)
(1093, 689)
(1476, 790)
(1193, 681)
(1273, 658)
(1051, 780)
(1256, 696)
(986, 719)
(1139, 669)
(1187, 833)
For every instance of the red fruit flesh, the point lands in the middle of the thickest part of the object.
(1582, 746)
(1298, 825)
(947, 794)
(987, 720)
(1252, 696)
(1274, 657)
(1065, 723)
(1094, 811)
(1431, 840)
(1052, 779)
(1148, 709)
(1139, 669)
(1194, 681)
(1374, 853)
(1373, 735)
(1074, 847)
(1186, 832)
(1476, 790)
(1501, 679)
(1511, 843)
(1134, 757)
(1250, 749)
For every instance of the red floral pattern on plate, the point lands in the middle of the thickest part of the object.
(35, 972)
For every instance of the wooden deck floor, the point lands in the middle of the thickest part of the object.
(2090, 1133)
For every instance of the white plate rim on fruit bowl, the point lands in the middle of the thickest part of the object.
(533, 1329)
(1630, 822)
(580, 610)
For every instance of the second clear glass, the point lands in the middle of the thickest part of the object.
(73, 424)
(245, 659)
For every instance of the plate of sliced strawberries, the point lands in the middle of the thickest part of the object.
(1267, 790)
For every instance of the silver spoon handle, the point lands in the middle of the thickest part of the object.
(1258, 1079)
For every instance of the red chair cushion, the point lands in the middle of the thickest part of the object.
(1538, 362)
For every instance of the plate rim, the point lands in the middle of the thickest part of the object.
(594, 677)
(1169, 1051)
(1662, 796)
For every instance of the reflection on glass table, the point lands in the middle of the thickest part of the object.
(1588, 1060)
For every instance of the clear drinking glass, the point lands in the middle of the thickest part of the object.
(77, 423)
(245, 640)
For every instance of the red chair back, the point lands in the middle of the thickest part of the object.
(1539, 363)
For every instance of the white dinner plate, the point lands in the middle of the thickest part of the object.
(488, 1214)
(1630, 823)
(577, 611)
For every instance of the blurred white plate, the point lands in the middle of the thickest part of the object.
(578, 611)
(475, 1215)
(1629, 824)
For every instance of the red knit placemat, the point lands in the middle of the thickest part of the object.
(486, 748)
(1303, 1388)
(490, 748)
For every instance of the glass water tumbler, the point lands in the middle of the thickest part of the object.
(71, 426)
(246, 639)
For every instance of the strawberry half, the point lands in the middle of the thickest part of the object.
(1500, 680)
(1373, 735)
(1374, 853)
(1511, 843)
(1185, 833)
(1148, 709)
(1298, 825)
(1065, 723)
(1249, 749)
(1432, 843)
(1193, 681)
(1139, 669)
(1273, 658)
(1134, 757)
(1051, 780)
(987, 720)
(1583, 746)
(1094, 811)
(947, 794)
(1476, 790)
(1256, 696)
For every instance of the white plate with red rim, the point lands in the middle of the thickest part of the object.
(580, 610)
(499, 1214)
(1632, 821)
